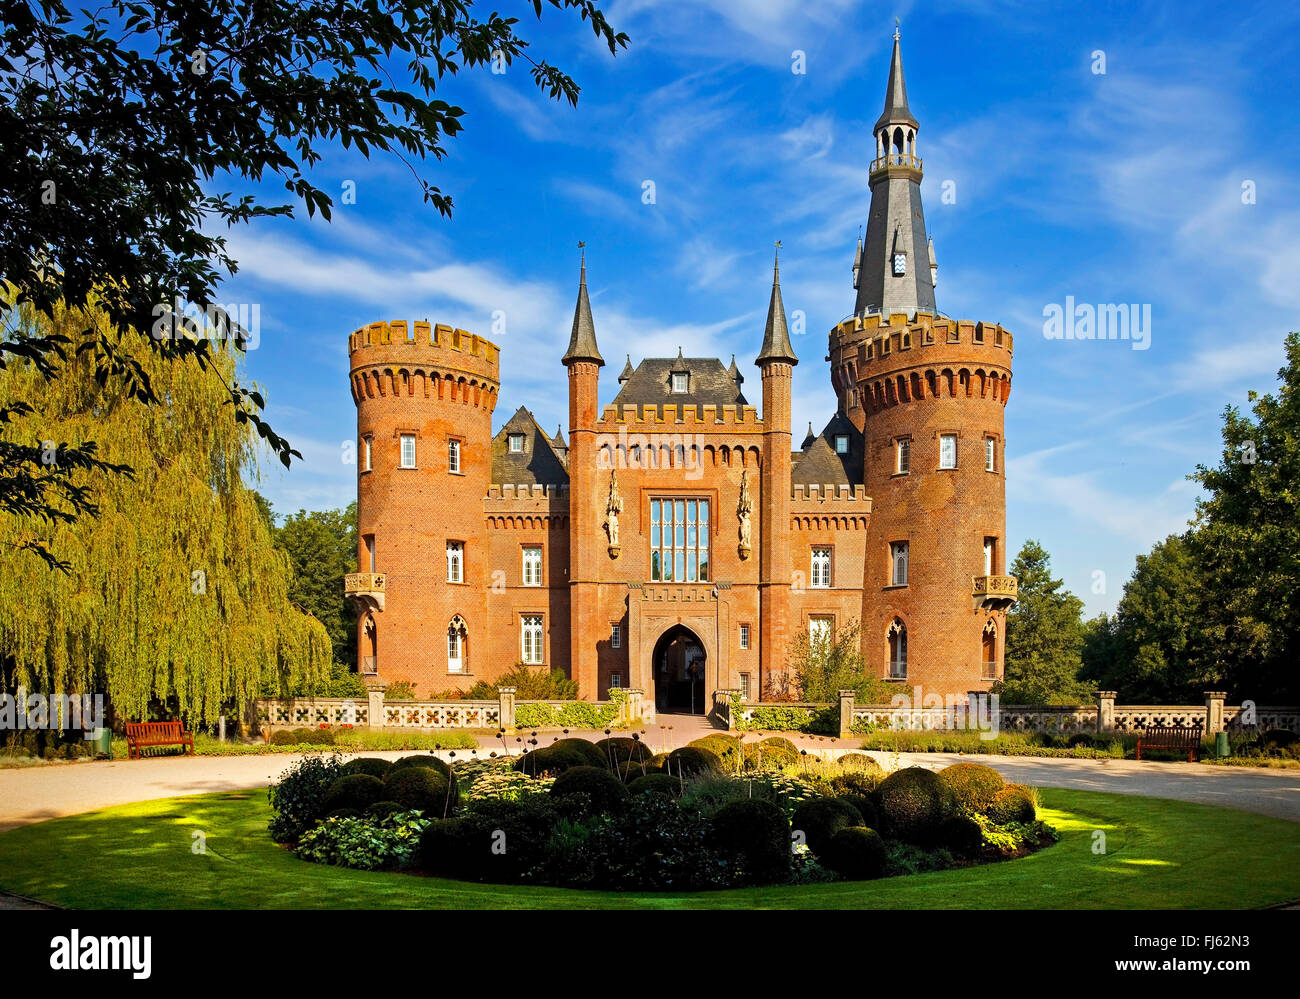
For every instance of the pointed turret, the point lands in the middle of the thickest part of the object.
(734, 372)
(776, 336)
(627, 371)
(582, 341)
(809, 440)
(896, 110)
(558, 439)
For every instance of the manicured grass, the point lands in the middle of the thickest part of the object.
(1159, 854)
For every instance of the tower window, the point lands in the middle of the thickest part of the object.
(679, 540)
(990, 556)
(989, 651)
(532, 567)
(902, 457)
(531, 638)
(841, 443)
(455, 561)
(370, 552)
(990, 454)
(744, 636)
(744, 686)
(681, 381)
(897, 643)
(821, 568)
(456, 636)
(516, 443)
(615, 638)
(408, 450)
(947, 450)
(898, 557)
(365, 454)
(453, 456)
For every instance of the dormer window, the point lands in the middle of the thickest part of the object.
(516, 443)
(841, 443)
(681, 381)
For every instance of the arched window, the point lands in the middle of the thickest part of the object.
(897, 650)
(989, 651)
(370, 648)
(457, 639)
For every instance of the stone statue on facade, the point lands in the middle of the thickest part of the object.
(744, 510)
(613, 508)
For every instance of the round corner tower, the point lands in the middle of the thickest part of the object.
(425, 396)
(929, 394)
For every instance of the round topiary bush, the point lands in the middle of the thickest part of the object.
(757, 834)
(691, 761)
(559, 757)
(657, 763)
(856, 853)
(725, 747)
(587, 750)
(633, 769)
(655, 784)
(423, 789)
(1014, 803)
(974, 784)
(353, 791)
(426, 760)
(821, 818)
(283, 737)
(860, 763)
(381, 809)
(913, 804)
(856, 782)
(962, 835)
(371, 765)
(865, 805)
(606, 791)
(619, 750)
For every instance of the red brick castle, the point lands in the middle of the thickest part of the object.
(677, 541)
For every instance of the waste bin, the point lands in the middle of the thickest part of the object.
(1221, 749)
(102, 740)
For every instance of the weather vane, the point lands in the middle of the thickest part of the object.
(897, 24)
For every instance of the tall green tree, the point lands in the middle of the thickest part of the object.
(176, 593)
(1044, 636)
(1247, 544)
(121, 121)
(322, 548)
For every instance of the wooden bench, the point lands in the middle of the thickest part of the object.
(141, 736)
(1179, 737)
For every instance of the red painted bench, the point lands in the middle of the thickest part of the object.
(1179, 737)
(141, 736)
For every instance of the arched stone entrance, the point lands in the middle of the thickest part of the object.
(679, 672)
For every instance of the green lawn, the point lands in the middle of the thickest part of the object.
(1160, 854)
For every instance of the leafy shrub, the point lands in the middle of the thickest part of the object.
(371, 765)
(422, 789)
(913, 803)
(725, 747)
(708, 792)
(367, 843)
(400, 690)
(353, 791)
(1080, 740)
(560, 756)
(382, 809)
(618, 750)
(974, 784)
(576, 714)
(691, 761)
(530, 685)
(302, 737)
(658, 763)
(655, 784)
(1014, 803)
(425, 760)
(773, 753)
(504, 785)
(962, 834)
(856, 853)
(786, 718)
(463, 847)
(856, 782)
(821, 818)
(756, 833)
(298, 800)
(859, 762)
(343, 813)
(606, 791)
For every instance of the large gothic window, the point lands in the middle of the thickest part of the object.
(679, 540)
(897, 650)
(457, 638)
(989, 652)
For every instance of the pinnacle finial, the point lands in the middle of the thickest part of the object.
(776, 336)
(582, 338)
(898, 33)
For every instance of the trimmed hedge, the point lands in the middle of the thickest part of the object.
(302, 737)
(860, 762)
(371, 765)
(821, 818)
(757, 834)
(655, 784)
(692, 761)
(856, 853)
(1014, 803)
(353, 791)
(381, 809)
(423, 789)
(725, 747)
(559, 757)
(974, 784)
(606, 792)
(913, 804)
(616, 750)
(427, 761)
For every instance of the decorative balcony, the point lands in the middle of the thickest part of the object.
(993, 592)
(883, 163)
(365, 590)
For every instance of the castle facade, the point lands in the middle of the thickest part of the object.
(680, 538)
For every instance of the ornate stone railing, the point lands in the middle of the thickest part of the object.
(998, 592)
(895, 159)
(305, 712)
(442, 714)
(365, 589)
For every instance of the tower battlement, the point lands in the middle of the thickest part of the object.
(419, 335)
(708, 418)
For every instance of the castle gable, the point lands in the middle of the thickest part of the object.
(819, 462)
(707, 379)
(535, 463)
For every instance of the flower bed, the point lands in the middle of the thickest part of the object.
(612, 816)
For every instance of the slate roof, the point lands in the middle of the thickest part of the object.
(537, 464)
(651, 385)
(818, 462)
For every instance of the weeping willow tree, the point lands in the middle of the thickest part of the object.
(173, 592)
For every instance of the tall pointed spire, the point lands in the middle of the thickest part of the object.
(582, 341)
(896, 110)
(776, 336)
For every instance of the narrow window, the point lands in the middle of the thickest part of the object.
(821, 568)
(532, 567)
(365, 454)
(989, 651)
(744, 636)
(948, 451)
(456, 636)
(408, 450)
(744, 686)
(898, 559)
(531, 628)
(903, 453)
(819, 633)
(455, 561)
(453, 456)
(615, 681)
(370, 552)
(897, 650)
(990, 454)
(990, 555)
(615, 638)
(841, 443)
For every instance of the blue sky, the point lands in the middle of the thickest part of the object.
(1122, 187)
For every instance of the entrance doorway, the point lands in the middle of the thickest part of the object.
(679, 672)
